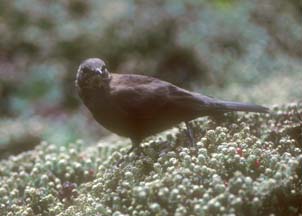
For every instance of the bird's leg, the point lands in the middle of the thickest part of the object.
(136, 145)
(189, 133)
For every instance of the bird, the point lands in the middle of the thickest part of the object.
(139, 106)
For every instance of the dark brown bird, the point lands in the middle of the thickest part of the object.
(137, 106)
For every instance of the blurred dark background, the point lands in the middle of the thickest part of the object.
(231, 49)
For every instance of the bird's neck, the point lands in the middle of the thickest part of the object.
(92, 94)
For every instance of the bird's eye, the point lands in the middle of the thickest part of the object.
(103, 68)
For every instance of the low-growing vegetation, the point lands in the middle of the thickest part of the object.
(243, 164)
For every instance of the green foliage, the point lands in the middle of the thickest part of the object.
(241, 164)
(185, 42)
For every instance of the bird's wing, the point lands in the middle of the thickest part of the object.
(142, 97)
(149, 98)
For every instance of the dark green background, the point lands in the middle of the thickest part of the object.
(239, 50)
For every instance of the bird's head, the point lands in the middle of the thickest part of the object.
(92, 73)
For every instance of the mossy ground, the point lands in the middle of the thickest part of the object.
(243, 164)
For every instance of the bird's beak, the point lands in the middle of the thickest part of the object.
(100, 72)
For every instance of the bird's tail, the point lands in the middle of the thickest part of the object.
(227, 106)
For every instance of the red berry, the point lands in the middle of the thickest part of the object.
(91, 172)
(239, 151)
(257, 163)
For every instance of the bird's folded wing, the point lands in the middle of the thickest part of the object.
(150, 99)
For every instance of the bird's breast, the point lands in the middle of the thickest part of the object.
(107, 113)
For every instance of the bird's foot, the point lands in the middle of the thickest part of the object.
(138, 149)
(130, 150)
